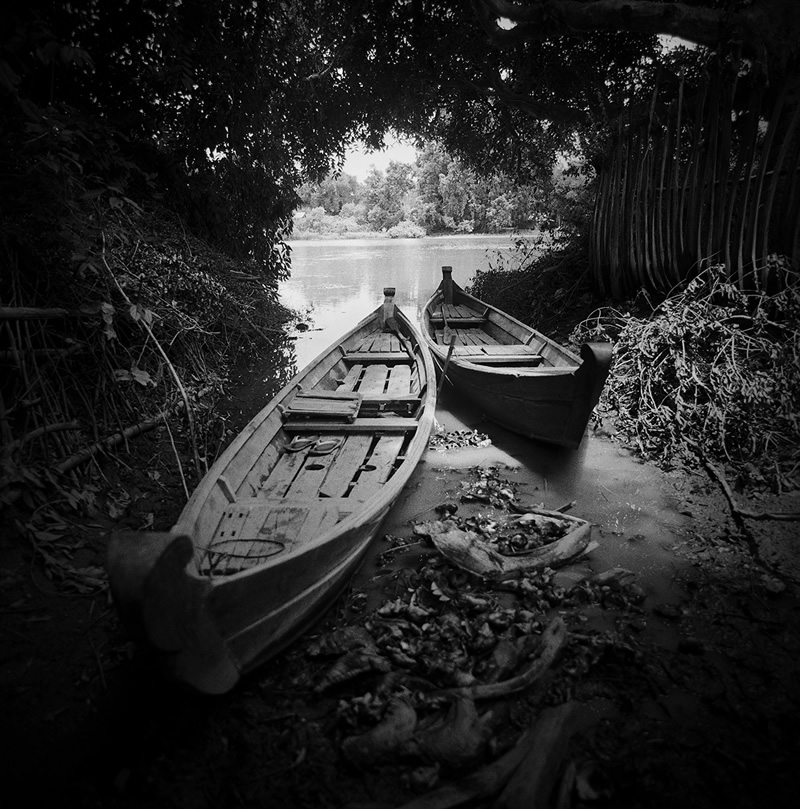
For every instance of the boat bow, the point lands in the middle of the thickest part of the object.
(159, 599)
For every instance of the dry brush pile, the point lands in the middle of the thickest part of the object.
(712, 372)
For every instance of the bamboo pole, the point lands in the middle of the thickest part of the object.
(33, 313)
(744, 210)
(788, 139)
(759, 238)
(724, 170)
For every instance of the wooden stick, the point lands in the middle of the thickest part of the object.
(117, 438)
(532, 782)
(447, 334)
(32, 313)
(554, 638)
(181, 389)
(789, 516)
(177, 459)
(446, 362)
(48, 428)
(508, 769)
(483, 783)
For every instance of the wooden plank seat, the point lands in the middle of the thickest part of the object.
(389, 399)
(529, 360)
(372, 406)
(380, 424)
(380, 342)
(374, 380)
(496, 350)
(341, 405)
(456, 312)
(377, 356)
(466, 337)
(498, 354)
(464, 320)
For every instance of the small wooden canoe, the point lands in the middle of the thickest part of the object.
(284, 517)
(517, 376)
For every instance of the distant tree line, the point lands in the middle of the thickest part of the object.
(437, 193)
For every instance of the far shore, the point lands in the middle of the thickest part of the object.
(374, 234)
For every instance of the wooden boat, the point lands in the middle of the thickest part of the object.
(284, 517)
(517, 376)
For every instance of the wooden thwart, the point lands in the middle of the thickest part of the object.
(389, 424)
(377, 356)
(284, 518)
(333, 404)
(470, 320)
(531, 360)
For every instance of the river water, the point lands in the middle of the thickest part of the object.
(336, 283)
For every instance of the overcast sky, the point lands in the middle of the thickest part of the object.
(358, 163)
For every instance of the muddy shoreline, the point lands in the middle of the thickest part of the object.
(697, 677)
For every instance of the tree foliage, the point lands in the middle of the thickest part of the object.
(439, 193)
(236, 103)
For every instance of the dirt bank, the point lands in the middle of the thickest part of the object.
(683, 672)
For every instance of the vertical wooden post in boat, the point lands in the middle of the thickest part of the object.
(447, 335)
(447, 284)
(387, 313)
(446, 363)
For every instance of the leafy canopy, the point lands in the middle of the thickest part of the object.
(236, 103)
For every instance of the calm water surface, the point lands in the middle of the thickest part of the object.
(336, 283)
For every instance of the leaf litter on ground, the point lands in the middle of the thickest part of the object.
(424, 681)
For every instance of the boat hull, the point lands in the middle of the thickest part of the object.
(554, 409)
(546, 393)
(280, 524)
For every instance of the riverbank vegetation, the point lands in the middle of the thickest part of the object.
(436, 194)
(148, 198)
(153, 158)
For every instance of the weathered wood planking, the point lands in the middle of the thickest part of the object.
(377, 424)
(349, 458)
(256, 453)
(270, 537)
(523, 360)
(378, 467)
(257, 474)
(258, 530)
(351, 378)
(399, 379)
(334, 404)
(377, 356)
(374, 379)
(283, 473)
(313, 472)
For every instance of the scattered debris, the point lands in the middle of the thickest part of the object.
(540, 540)
(442, 441)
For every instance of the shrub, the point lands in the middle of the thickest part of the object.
(406, 230)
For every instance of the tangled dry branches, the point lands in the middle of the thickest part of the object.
(714, 368)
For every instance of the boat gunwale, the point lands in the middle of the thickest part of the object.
(365, 510)
(477, 305)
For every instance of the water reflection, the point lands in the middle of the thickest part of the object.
(336, 283)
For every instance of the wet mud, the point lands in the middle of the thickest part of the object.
(685, 689)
